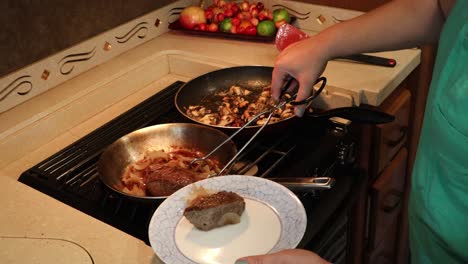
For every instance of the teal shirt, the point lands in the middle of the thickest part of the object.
(438, 211)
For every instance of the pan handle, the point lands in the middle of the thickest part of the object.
(305, 184)
(355, 114)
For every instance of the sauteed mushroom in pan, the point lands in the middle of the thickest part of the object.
(237, 105)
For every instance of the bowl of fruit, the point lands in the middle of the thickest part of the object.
(229, 19)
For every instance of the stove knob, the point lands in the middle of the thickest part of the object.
(346, 153)
(339, 126)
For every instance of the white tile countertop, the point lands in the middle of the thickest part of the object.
(41, 126)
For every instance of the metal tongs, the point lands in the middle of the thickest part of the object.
(270, 111)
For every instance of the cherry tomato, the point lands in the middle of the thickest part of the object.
(213, 27)
(244, 6)
(246, 15)
(221, 3)
(235, 9)
(261, 16)
(251, 30)
(228, 13)
(260, 6)
(203, 27)
(235, 21)
(254, 21)
(209, 14)
(245, 24)
(254, 12)
(233, 29)
(220, 17)
(279, 23)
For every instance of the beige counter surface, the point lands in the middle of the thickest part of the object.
(34, 130)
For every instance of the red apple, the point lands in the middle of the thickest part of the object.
(192, 16)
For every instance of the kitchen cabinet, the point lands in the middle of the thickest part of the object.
(389, 138)
(386, 196)
(387, 154)
(380, 228)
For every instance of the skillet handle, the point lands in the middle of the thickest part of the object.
(355, 114)
(305, 184)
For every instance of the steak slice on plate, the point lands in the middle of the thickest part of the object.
(215, 210)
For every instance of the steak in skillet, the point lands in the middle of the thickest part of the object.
(168, 179)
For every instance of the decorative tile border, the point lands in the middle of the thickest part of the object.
(67, 63)
(312, 17)
(17, 86)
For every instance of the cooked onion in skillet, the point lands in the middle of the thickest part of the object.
(236, 106)
(160, 173)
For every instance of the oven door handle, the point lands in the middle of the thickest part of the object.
(305, 184)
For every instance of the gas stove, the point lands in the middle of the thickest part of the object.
(308, 149)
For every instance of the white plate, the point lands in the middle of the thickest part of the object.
(274, 219)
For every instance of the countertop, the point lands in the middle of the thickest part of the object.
(48, 231)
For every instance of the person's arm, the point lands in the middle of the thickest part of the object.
(395, 25)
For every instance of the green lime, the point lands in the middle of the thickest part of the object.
(225, 25)
(266, 28)
(281, 14)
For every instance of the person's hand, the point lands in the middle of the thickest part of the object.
(287, 256)
(304, 61)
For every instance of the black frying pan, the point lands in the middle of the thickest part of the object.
(255, 78)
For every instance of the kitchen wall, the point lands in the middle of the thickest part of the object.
(35, 29)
